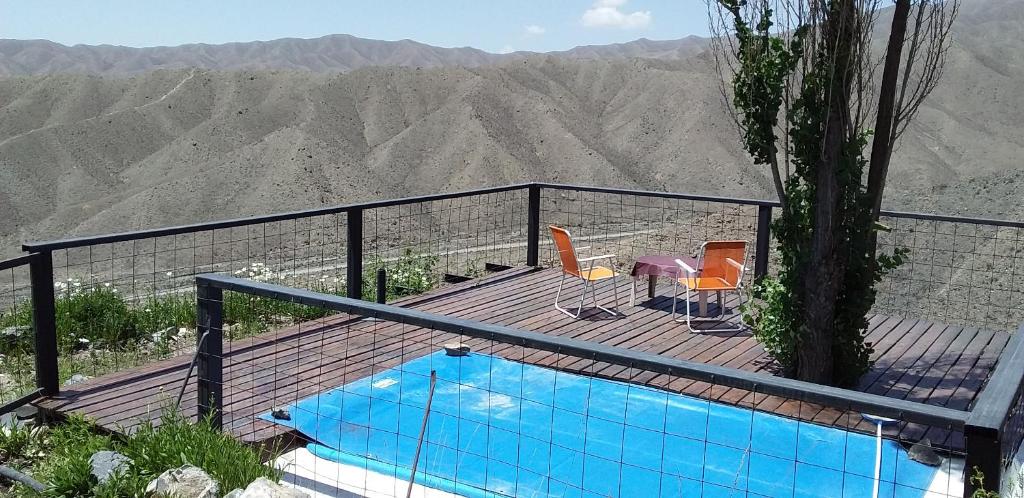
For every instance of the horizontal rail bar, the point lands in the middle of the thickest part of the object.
(767, 384)
(953, 219)
(237, 222)
(7, 264)
(14, 404)
(665, 195)
(771, 203)
(253, 220)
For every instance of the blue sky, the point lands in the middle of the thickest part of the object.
(488, 25)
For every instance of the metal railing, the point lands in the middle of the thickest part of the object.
(405, 335)
(959, 270)
(28, 332)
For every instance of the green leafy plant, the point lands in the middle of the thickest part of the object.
(153, 449)
(412, 273)
(768, 318)
(978, 481)
(175, 441)
(65, 470)
(20, 445)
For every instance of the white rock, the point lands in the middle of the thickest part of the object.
(75, 379)
(183, 482)
(265, 488)
(163, 335)
(234, 493)
(107, 463)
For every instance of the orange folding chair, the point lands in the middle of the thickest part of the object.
(590, 276)
(720, 268)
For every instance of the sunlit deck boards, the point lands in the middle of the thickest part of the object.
(915, 360)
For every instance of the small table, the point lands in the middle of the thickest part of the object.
(663, 266)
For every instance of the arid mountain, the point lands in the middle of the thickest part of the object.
(334, 53)
(87, 153)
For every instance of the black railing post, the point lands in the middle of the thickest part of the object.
(763, 245)
(533, 226)
(210, 333)
(982, 453)
(992, 433)
(382, 285)
(44, 322)
(354, 256)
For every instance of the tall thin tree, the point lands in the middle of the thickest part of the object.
(800, 76)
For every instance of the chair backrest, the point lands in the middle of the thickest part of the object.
(713, 262)
(566, 252)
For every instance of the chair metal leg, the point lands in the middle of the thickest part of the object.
(720, 318)
(583, 297)
(592, 287)
(615, 292)
(675, 296)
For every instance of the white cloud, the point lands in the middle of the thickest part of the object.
(607, 14)
(507, 49)
(533, 29)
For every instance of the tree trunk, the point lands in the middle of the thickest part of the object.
(823, 278)
(881, 144)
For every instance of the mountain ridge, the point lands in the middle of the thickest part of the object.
(330, 53)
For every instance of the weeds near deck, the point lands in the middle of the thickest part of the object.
(102, 330)
(58, 456)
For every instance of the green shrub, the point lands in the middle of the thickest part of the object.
(177, 441)
(20, 445)
(17, 326)
(65, 470)
(164, 312)
(153, 449)
(978, 481)
(412, 273)
(769, 317)
(96, 316)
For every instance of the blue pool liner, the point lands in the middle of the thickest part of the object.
(503, 428)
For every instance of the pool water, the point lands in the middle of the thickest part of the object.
(503, 428)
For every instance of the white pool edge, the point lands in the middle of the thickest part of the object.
(322, 478)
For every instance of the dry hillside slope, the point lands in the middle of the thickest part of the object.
(84, 154)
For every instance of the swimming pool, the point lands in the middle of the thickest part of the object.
(503, 428)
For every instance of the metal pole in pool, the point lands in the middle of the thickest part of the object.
(423, 430)
(879, 422)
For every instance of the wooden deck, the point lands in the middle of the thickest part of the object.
(915, 360)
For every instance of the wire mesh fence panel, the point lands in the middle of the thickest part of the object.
(631, 226)
(420, 243)
(17, 333)
(132, 302)
(954, 272)
(363, 401)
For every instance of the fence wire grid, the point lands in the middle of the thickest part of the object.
(17, 332)
(509, 420)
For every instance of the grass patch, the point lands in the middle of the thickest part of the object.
(59, 457)
(100, 330)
